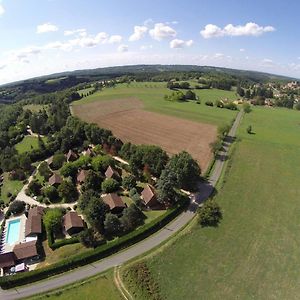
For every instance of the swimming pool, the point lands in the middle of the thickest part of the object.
(13, 231)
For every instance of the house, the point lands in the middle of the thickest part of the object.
(149, 197)
(112, 173)
(72, 222)
(7, 260)
(88, 152)
(26, 250)
(115, 203)
(55, 180)
(71, 156)
(33, 226)
(82, 176)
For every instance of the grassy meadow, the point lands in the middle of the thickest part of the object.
(12, 187)
(152, 95)
(255, 251)
(100, 287)
(35, 107)
(27, 144)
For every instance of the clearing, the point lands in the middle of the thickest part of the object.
(255, 251)
(131, 123)
(27, 144)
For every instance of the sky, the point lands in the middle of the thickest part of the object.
(40, 37)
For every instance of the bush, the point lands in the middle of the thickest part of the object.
(231, 106)
(247, 108)
(249, 129)
(92, 255)
(110, 185)
(129, 182)
(16, 207)
(210, 213)
(209, 103)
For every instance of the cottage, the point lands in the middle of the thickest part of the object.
(26, 250)
(72, 222)
(115, 203)
(149, 197)
(88, 152)
(82, 176)
(112, 173)
(50, 161)
(7, 260)
(71, 156)
(33, 226)
(55, 180)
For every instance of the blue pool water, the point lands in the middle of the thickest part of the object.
(13, 231)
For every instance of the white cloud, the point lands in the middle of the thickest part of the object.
(81, 32)
(219, 55)
(249, 29)
(2, 66)
(138, 33)
(148, 22)
(2, 10)
(115, 39)
(123, 48)
(242, 50)
(267, 61)
(23, 54)
(176, 43)
(146, 47)
(47, 27)
(162, 31)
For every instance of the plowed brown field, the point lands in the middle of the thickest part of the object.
(128, 121)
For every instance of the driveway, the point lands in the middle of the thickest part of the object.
(205, 189)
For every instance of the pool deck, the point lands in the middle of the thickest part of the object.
(9, 247)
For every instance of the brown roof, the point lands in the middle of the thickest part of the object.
(89, 152)
(110, 172)
(148, 194)
(34, 221)
(113, 201)
(71, 155)
(82, 176)
(7, 260)
(49, 160)
(71, 219)
(55, 179)
(25, 250)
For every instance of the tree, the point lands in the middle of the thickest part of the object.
(216, 146)
(95, 213)
(85, 198)
(69, 170)
(16, 207)
(248, 94)
(110, 185)
(34, 188)
(297, 106)
(92, 181)
(209, 214)
(240, 91)
(67, 191)
(53, 220)
(223, 130)
(129, 182)
(186, 170)
(58, 161)
(51, 193)
(101, 163)
(87, 238)
(131, 218)
(44, 170)
(112, 225)
(25, 162)
(190, 95)
(247, 108)
(165, 187)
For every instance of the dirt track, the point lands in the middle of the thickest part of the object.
(128, 121)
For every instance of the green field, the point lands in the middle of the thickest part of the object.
(27, 144)
(100, 287)
(10, 186)
(255, 252)
(152, 95)
(85, 91)
(35, 107)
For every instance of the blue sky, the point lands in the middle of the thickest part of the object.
(41, 37)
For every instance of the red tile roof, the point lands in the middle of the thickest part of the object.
(113, 201)
(82, 176)
(7, 260)
(110, 172)
(34, 221)
(71, 220)
(25, 250)
(148, 194)
(55, 179)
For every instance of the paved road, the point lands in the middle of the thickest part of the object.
(154, 240)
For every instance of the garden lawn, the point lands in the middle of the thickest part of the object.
(27, 144)
(54, 256)
(100, 287)
(152, 96)
(255, 251)
(10, 186)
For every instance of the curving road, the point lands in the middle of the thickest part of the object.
(205, 189)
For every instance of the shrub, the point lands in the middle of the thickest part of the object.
(247, 108)
(210, 213)
(110, 185)
(249, 129)
(209, 103)
(53, 220)
(129, 182)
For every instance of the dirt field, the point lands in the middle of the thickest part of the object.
(128, 121)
